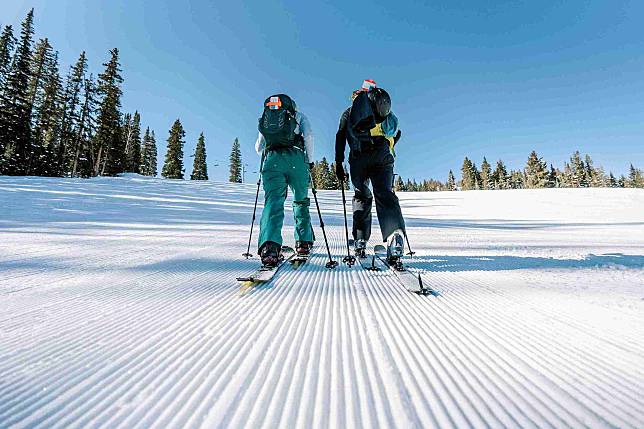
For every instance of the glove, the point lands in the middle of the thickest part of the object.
(397, 137)
(339, 172)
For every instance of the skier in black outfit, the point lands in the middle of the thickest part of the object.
(371, 130)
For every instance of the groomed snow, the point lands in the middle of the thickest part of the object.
(119, 308)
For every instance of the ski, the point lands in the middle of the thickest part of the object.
(368, 262)
(406, 278)
(298, 260)
(265, 274)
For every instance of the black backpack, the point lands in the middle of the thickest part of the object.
(278, 123)
(361, 116)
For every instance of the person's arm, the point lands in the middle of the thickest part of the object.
(307, 134)
(259, 144)
(341, 138)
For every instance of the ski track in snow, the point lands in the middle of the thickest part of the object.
(119, 308)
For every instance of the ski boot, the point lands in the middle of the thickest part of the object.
(271, 254)
(395, 248)
(360, 248)
(303, 248)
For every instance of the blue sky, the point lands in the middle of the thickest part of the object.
(467, 78)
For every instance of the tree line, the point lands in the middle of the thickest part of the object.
(73, 126)
(577, 173)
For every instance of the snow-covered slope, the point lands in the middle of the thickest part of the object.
(119, 308)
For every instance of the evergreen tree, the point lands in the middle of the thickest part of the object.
(612, 181)
(199, 168)
(40, 61)
(598, 178)
(517, 180)
(82, 154)
(486, 174)
(566, 179)
(536, 173)
(109, 146)
(411, 186)
(553, 178)
(595, 176)
(47, 114)
(70, 124)
(235, 163)
(333, 179)
(577, 174)
(621, 183)
(7, 43)
(133, 143)
(41, 66)
(589, 170)
(477, 177)
(635, 178)
(15, 107)
(468, 178)
(173, 165)
(149, 155)
(500, 178)
(316, 174)
(323, 179)
(399, 185)
(451, 181)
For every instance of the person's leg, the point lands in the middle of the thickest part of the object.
(298, 180)
(362, 197)
(274, 181)
(388, 210)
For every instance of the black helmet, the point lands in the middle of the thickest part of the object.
(380, 103)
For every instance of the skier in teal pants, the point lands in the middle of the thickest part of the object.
(285, 142)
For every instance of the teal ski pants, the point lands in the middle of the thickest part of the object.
(282, 169)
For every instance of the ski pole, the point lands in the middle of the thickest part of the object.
(349, 259)
(410, 253)
(331, 263)
(252, 223)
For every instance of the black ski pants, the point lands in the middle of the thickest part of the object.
(375, 165)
